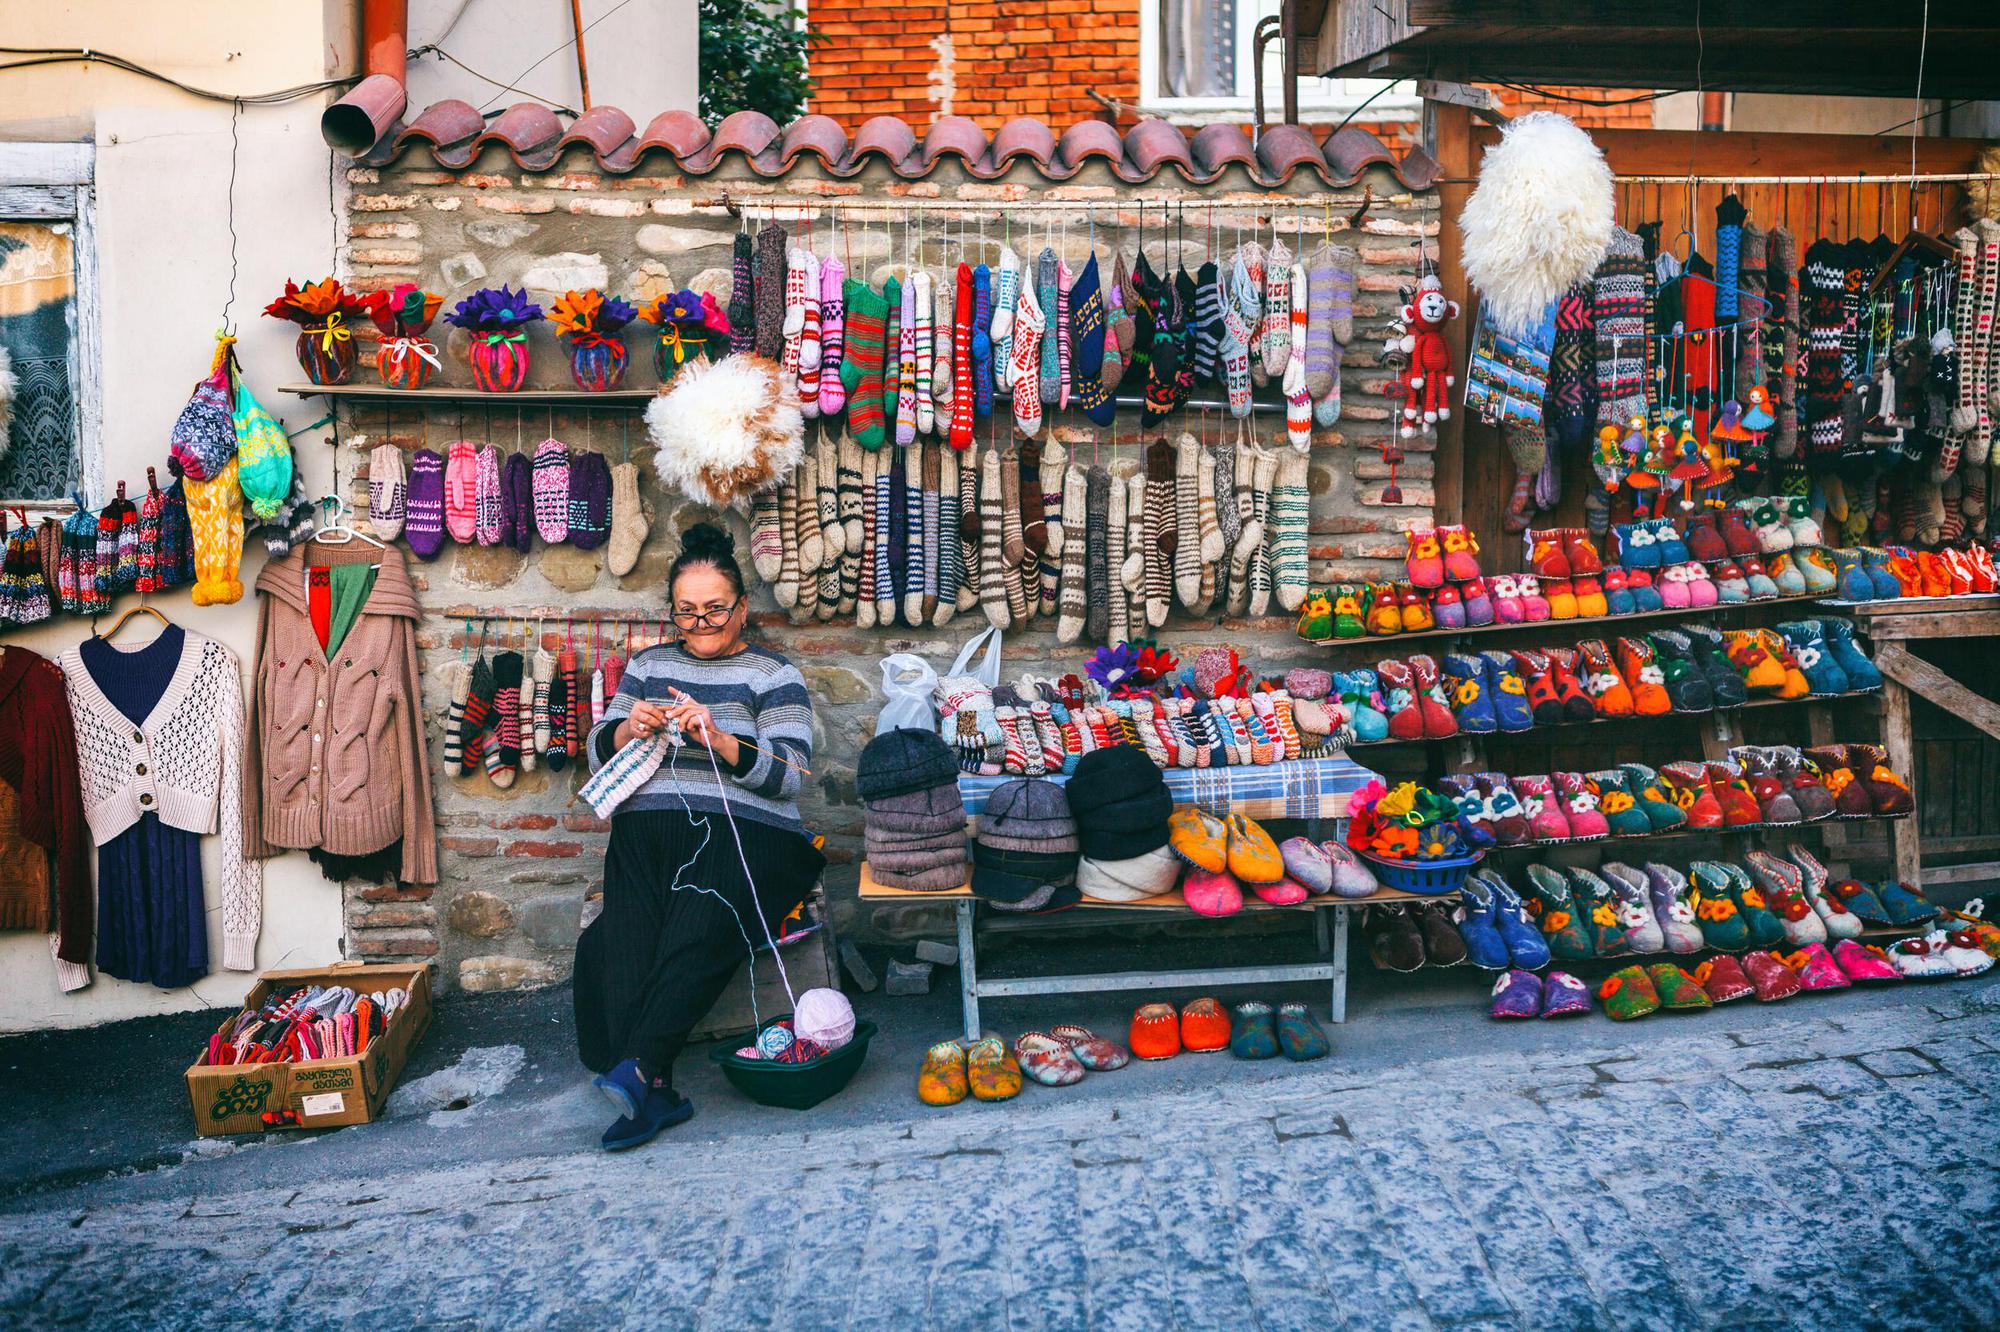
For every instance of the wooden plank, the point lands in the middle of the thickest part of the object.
(871, 891)
(1451, 138)
(1982, 872)
(1903, 835)
(1896, 663)
(1820, 731)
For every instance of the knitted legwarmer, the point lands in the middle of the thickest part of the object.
(864, 610)
(993, 579)
(786, 588)
(950, 556)
(1187, 523)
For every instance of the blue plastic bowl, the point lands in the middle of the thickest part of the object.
(1424, 878)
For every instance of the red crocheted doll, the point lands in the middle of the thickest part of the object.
(1427, 377)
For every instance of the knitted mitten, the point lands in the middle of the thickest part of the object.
(489, 501)
(215, 514)
(861, 365)
(517, 484)
(832, 335)
(628, 521)
(742, 295)
(551, 491)
(1287, 519)
(1162, 536)
(993, 564)
(786, 588)
(388, 491)
(589, 500)
(769, 309)
(461, 491)
(1187, 521)
(1072, 602)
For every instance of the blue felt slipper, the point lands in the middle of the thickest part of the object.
(1300, 1036)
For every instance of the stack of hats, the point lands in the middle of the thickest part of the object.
(1024, 858)
(915, 822)
(1120, 803)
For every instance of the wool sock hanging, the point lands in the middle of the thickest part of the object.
(906, 365)
(1527, 444)
(1060, 335)
(579, 713)
(149, 579)
(918, 297)
(1027, 362)
(461, 492)
(1326, 410)
(950, 556)
(1182, 319)
(1239, 321)
(1007, 287)
(770, 292)
(1571, 408)
(1206, 324)
(1320, 365)
(628, 521)
(812, 353)
(1289, 514)
(982, 341)
(503, 753)
(861, 365)
(1162, 367)
(518, 483)
(1263, 479)
(1964, 417)
(1120, 330)
(962, 395)
(827, 598)
(889, 592)
(849, 574)
(1978, 449)
(1132, 574)
(589, 500)
(487, 506)
(1781, 338)
(920, 582)
(1617, 310)
(794, 325)
(892, 354)
(767, 542)
(1014, 554)
(454, 719)
(1117, 626)
(832, 529)
(107, 550)
(1086, 343)
(1275, 331)
(524, 713)
(1187, 522)
(1822, 285)
(1750, 318)
(969, 531)
(884, 589)
(423, 524)
(478, 713)
(786, 588)
(1072, 606)
(1053, 471)
(556, 756)
(1096, 554)
(1208, 528)
(871, 473)
(993, 599)
(848, 499)
(812, 546)
(388, 491)
(1049, 363)
(1298, 397)
(742, 295)
(832, 336)
(1015, 531)
(1162, 536)
(551, 491)
(944, 332)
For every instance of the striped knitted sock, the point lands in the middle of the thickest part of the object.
(1054, 752)
(969, 528)
(981, 345)
(1118, 619)
(1298, 397)
(885, 518)
(918, 321)
(1326, 409)
(1276, 343)
(461, 491)
(1161, 532)
(742, 295)
(1006, 297)
(1320, 365)
(556, 756)
(1187, 739)
(1345, 265)
(769, 310)
(767, 550)
(992, 562)
(1750, 324)
(826, 598)
(1249, 529)
(944, 332)
(1239, 317)
(1251, 256)
(579, 712)
(849, 503)
(950, 554)
(524, 714)
(477, 712)
(812, 548)
(1064, 354)
(1206, 325)
(454, 721)
(1288, 727)
(503, 756)
(1072, 605)
(793, 323)
(871, 473)
(1289, 515)
(786, 589)
(1145, 733)
(962, 396)
(906, 364)
(812, 353)
(545, 669)
(1187, 522)
(1014, 749)
(832, 336)
(861, 365)
(551, 491)
(1013, 552)
(1054, 468)
(1260, 558)
(929, 519)
(832, 529)
(1781, 337)
(1096, 556)
(915, 564)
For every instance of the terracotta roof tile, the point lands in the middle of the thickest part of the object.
(454, 133)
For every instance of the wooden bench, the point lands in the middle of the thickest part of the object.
(1330, 928)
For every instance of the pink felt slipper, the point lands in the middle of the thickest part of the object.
(1097, 1053)
(1816, 968)
(1285, 892)
(1864, 965)
(1211, 894)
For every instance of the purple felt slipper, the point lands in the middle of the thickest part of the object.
(1563, 995)
(1517, 994)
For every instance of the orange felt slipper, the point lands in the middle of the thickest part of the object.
(1204, 1026)
(1156, 1032)
(942, 1079)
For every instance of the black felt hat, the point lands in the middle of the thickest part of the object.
(1120, 802)
(904, 760)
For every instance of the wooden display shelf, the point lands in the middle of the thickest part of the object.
(623, 398)
(1529, 626)
(1600, 721)
(871, 891)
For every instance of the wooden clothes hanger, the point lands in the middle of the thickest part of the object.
(141, 609)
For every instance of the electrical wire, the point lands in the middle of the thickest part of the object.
(1364, 105)
(86, 56)
(557, 50)
(1555, 96)
(235, 113)
(431, 48)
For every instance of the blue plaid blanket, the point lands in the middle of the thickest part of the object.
(1300, 789)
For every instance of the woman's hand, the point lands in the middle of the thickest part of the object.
(698, 725)
(645, 720)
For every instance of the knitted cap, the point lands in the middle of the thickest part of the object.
(589, 500)
(204, 437)
(1120, 803)
(1027, 814)
(1129, 880)
(902, 761)
(1020, 878)
(423, 522)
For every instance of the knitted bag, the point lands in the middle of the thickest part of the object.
(264, 456)
(204, 437)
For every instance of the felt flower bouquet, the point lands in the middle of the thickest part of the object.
(591, 321)
(1128, 669)
(323, 310)
(1407, 823)
(691, 324)
(405, 359)
(498, 321)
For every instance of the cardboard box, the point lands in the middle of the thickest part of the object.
(322, 1093)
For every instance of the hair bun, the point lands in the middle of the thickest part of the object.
(708, 541)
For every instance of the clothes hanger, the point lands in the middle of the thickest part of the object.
(141, 609)
(339, 532)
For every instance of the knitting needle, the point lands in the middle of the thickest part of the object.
(684, 697)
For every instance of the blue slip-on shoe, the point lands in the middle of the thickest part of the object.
(1300, 1037)
(625, 1087)
(662, 1109)
(1508, 692)
(1839, 637)
(1253, 1034)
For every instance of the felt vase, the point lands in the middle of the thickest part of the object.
(499, 360)
(677, 346)
(597, 361)
(406, 363)
(326, 351)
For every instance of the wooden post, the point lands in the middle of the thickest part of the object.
(1448, 134)
(1902, 758)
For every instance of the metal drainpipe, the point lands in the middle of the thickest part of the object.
(1289, 21)
(353, 124)
(1712, 110)
(1266, 32)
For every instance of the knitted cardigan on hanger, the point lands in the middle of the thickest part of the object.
(184, 763)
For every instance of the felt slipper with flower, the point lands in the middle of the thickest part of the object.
(1155, 1032)
(1628, 993)
(1048, 1060)
(1905, 904)
(1679, 991)
(1961, 949)
(991, 1070)
(1253, 1032)
(1098, 1054)
(1563, 995)
(941, 1081)
(1517, 994)
(1915, 959)
(1204, 1026)
(1300, 1037)
(1863, 964)
(1723, 979)
(1773, 979)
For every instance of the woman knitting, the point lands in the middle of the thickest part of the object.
(710, 837)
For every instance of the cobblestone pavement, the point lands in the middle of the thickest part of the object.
(1837, 1169)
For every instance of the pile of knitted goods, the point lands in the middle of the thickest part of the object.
(1210, 713)
(1024, 858)
(1227, 853)
(917, 534)
(310, 1022)
(914, 816)
(1692, 669)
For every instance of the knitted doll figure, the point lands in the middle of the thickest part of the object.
(387, 491)
(215, 515)
(1428, 378)
(461, 491)
(551, 491)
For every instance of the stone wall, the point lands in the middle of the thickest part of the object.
(519, 864)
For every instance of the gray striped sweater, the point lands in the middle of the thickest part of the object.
(756, 696)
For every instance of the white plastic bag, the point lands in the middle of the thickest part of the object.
(959, 685)
(907, 682)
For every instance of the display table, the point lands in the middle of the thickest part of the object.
(1316, 788)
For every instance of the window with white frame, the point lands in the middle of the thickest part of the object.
(48, 322)
(1197, 62)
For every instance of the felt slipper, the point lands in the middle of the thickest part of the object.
(1477, 927)
(1563, 995)
(1285, 892)
(991, 1070)
(1204, 1026)
(1443, 946)
(1961, 949)
(1840, 922)
(1864, 965)
(1253, 1032)
(1784, 892)
(1211, 894)
(1860, 900)
(1766, 930)
(942, 1080)
(1915, 959)
(1300, 1037)
(1715, 910)
(1048, 1060)
(1351, 878)
(1547, 900)
(1816, 968)
(1673, 904)
(1723, 979)
(1253, 856)
(1098, 1054)
(1628, 993)
(1199, 838)
(1395, 943)
(1597, 909)
(1308, 864)
(1772, 978)
(1633, 896)
(1525, 946)
(1679, 991)
(1155, 1032)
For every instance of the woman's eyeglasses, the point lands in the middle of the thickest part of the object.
(713, 619)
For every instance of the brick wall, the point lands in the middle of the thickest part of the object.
(517, 864)
(988, 60)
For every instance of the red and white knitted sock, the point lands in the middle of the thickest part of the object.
(811, 353)
(1015, 756)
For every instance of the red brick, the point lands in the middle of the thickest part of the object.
(471, 846)
(390, 915)
(545, 850)
(525, 822)
(585, 823)
(391, 892)
(395, 943)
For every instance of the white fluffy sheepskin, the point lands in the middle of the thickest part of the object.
(1539, 220)
(725, 430)
(9, 386)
